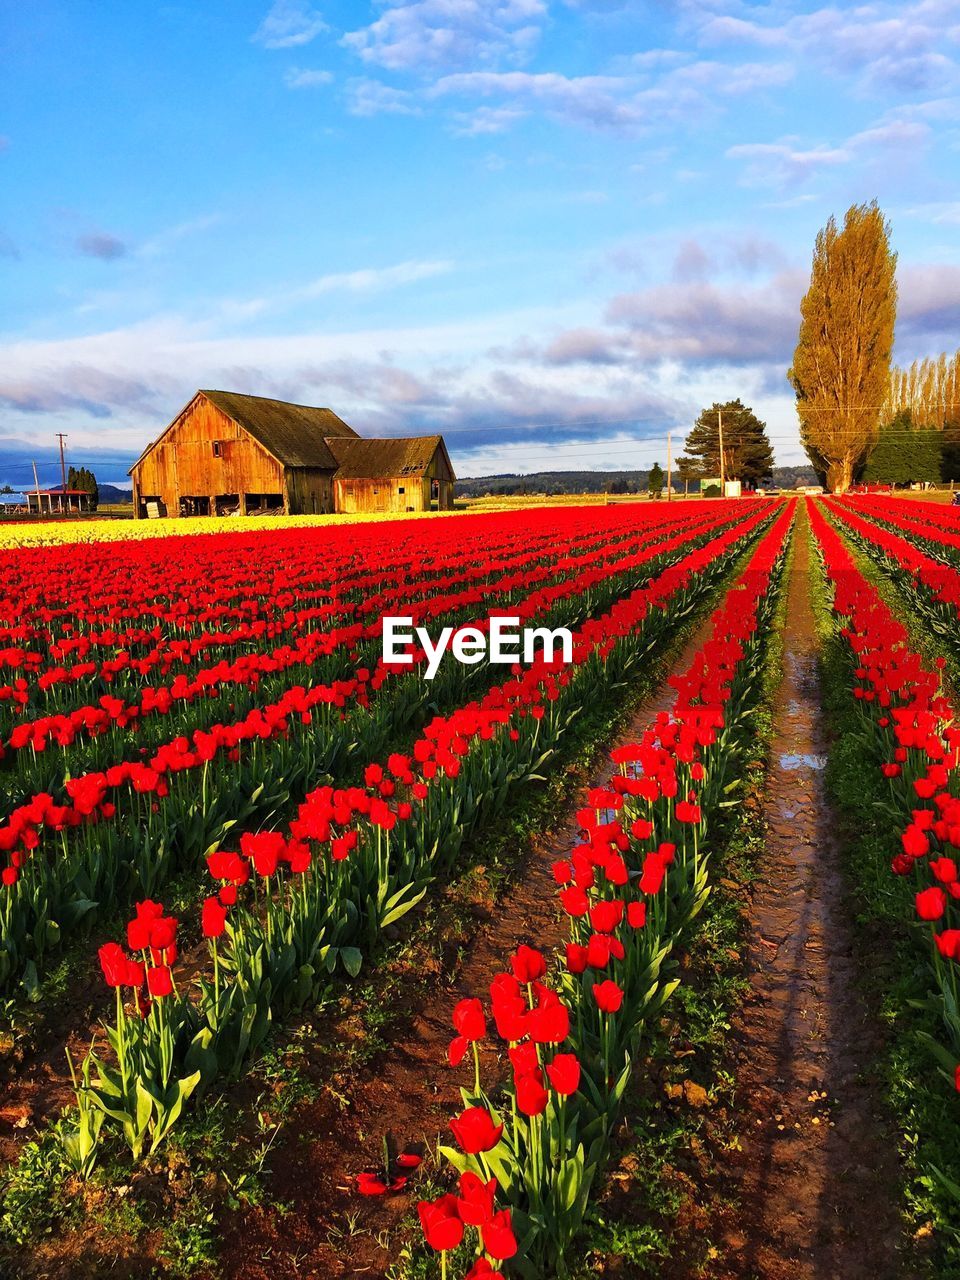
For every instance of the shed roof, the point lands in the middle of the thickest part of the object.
(371, 459)
(295, 434)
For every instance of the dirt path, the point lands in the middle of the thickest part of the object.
(409, 1093)
(818, 1172)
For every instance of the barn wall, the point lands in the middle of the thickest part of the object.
(309, 491)
(440, 471)
(381, 494)
(183, 464)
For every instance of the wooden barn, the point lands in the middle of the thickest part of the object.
(232, 454)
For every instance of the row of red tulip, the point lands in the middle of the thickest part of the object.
(291, 907)
(348, 586)
(930, 522)
(913, 726)
(55, 633)
(934, 584)
(334, 653)
(528, 1148)
(125, 828)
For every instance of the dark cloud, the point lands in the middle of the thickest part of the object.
(82, 387)
(928, 314)
(692, 262)
(17, 457)
(100, 244)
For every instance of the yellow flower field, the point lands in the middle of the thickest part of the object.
(55, 533)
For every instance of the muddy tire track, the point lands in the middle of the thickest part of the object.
(819, 1186)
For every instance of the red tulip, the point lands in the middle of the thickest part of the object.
(159, 980)
(606, 916)
(213, 918)
(498, 1238)
(482, 1270)
(476, 1198)
(564, 1073)
(528, 965)
(113, 962)
(636, 914)
(469, 1020)
(608, 995)
(532, 1097)
(931, 903)
(475, 1131)
(441, 1223)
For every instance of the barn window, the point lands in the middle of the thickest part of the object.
(401, 489)
(217, 449)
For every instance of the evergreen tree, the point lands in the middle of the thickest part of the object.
(747, 455)
(687, 470)
(86, 481)
(906, 452)
(841, 365)
(655, 480)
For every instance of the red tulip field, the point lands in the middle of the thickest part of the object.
(635, 959)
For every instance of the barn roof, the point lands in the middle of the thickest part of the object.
(371, 459)
(296, 434)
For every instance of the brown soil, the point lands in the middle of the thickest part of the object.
(818, 1170)
(408, 1093)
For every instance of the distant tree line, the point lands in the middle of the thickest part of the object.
(559, 483)
(919, 436)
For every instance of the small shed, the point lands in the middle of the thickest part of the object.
(406, 473)
(58, 502)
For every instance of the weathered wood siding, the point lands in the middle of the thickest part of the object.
(185, 465)
(309, 491)
(384, 494)
(397, 493)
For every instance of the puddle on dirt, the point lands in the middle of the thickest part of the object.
(803, 760)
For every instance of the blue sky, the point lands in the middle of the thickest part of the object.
(552, 229)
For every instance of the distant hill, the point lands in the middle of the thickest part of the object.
(565, 482)
(110, 493)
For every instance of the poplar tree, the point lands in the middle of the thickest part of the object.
(841, 365)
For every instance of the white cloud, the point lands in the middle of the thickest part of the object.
(305, 78)
(784, 164)
(486, 120)
(787, 164)
(364, 280)
(599, 101)
(901, 46)
(288, 24)
(372, 98)
(435, 34)
(371, 279)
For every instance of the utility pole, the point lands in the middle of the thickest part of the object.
(723, 478)
(36, 481)
(61, 436)
(669, 468)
